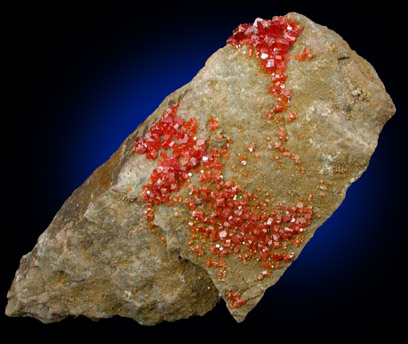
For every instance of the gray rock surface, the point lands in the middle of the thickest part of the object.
(100, 257)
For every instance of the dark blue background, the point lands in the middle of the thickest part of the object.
(82, 78)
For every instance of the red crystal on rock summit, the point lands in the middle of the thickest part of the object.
(270, 41)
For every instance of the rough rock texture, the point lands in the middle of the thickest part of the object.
(99, 257)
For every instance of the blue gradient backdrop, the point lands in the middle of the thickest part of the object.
(86, 78)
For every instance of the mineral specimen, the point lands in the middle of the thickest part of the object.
(218, 191)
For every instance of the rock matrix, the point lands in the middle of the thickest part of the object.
(218, 191)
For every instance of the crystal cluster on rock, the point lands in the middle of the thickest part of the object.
(218, 191)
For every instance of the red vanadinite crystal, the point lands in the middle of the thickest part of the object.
(172, 171)
(213, 123)
(270, 41)
(236, 299)
(306, 54)
(225, 219)
(241, 224)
